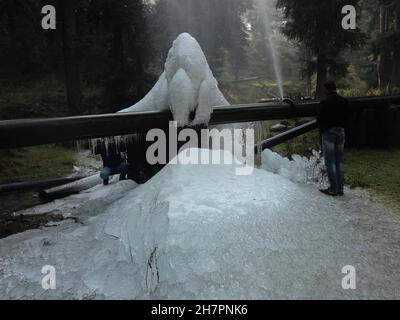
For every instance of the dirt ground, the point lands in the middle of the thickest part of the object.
(11, 224)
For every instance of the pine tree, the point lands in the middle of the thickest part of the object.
(316, 25)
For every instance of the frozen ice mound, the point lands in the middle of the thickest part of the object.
(186, 85)
(202, 232)
(299, 169)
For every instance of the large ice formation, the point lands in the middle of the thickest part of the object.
(186, 85)
(202, 232)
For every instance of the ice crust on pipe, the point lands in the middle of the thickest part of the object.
(187, 84)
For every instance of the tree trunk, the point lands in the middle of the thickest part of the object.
(71, 58)
(384, 61)
(395, 81)
(322, 74)
(117, 50)
(308, 74)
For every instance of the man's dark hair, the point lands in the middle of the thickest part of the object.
(330, 85)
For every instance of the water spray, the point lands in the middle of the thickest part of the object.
(266, 21)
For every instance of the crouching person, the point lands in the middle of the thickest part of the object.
(113, 162)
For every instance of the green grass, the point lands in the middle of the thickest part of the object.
(28, 164)
(376, 170)
(35, 162)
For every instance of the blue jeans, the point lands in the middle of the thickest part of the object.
(333, 147)
(122, 169)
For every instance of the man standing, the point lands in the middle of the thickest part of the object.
(112, 160)
(332, 121)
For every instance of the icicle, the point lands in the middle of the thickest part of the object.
(106, 142)
(93, 144)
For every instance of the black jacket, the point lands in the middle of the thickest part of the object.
(333, 112)
(110, 155)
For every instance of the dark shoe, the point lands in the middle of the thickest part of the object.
(121, 178)
(329, 192)
(105, 181)
(341, 194)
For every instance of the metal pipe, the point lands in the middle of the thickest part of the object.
(38, 184)
(66, 190)
(30, 132)
(287, 135)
